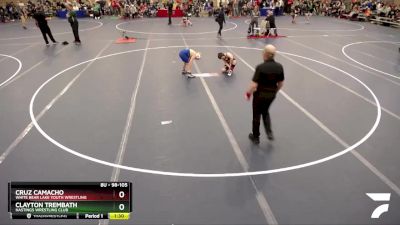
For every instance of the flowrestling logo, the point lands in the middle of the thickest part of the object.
(379, 197)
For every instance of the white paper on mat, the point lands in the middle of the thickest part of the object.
(166, 122)
(205, 74)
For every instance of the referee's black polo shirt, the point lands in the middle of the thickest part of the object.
(267, 75)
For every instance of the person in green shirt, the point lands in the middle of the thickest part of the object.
(96, 11)
(74, 23)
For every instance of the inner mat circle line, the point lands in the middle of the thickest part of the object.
(369, 67)
(179, 33)
(16, 72)
(100, 24)
(201, 175)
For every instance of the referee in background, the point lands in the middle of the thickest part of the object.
(267, 81)
(41, 22)
(170, 5)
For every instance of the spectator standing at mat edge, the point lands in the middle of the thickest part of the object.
(267, 81)
(272, 26)
(74, 23)
(220, 20)
(170, 5)
(23, 16)
(254, 13)
(41, 22)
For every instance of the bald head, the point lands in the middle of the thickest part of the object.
(269, 52)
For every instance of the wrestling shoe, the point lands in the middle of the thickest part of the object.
(255, 140)
(190, 75)
(270, 136)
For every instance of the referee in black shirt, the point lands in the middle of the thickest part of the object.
(41, 22)
(220, 20)
(170, 5)
(268, 79)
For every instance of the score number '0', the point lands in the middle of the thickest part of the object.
(121, 194)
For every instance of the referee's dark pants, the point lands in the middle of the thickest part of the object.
(46, 31)
(221, 25)
(75, 30)
(261, 106)
(169, 18)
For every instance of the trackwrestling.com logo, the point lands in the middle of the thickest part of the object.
(379, 197)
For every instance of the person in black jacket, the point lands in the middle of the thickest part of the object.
(220, 20)
(170, 5)
(41, 22)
